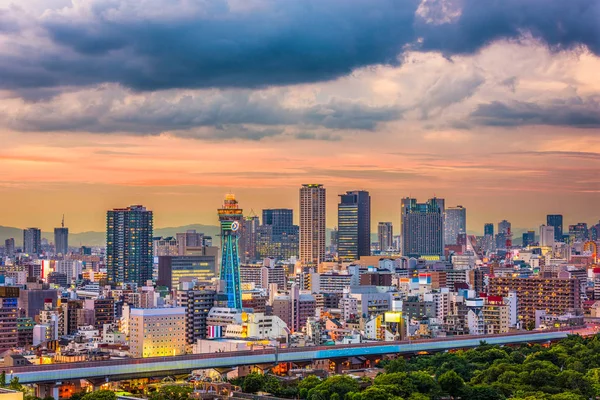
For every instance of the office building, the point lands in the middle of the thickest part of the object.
(9, 298)
(295, 308)
(277, 237)
(166, 246)
(504, 236)
(556, 221)
(230, 217)
(129, 245)
(61, 239)
(9, 247)
(175, 269)
(385, 236)
(197, 303)
(71, 268)
(32, 241)
(25, 331)
(547, 236)
(488, 229)
(354, 225)
(455, 224)
(312, 223)
(248, 239)
(528, 238)
(422, 227)
(157, 332)
(190, 238)
(555, 296)
(103, 311)
(578, 232)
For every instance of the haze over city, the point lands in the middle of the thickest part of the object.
(175, 103)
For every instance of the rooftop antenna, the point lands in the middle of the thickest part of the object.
(62, 224)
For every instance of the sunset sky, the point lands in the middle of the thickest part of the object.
(494, 105)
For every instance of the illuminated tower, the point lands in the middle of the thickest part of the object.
(230, 217)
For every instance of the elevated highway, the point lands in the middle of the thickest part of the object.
(112, 370)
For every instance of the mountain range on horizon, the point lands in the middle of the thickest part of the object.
(94, 238)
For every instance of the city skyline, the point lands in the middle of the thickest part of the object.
(502, 122)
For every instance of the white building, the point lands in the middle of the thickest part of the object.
(155, 332)
(546, 236)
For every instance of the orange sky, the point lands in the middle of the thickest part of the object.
(510, 131)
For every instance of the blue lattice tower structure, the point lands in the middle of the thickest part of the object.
(230, 217)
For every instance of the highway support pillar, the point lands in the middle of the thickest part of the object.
(47, 389)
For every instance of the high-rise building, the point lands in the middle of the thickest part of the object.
(129, 245)
(423, 227)
(578, 232)
(9, 298)
(547, 236)
(385, 236)
(61, 239)
(9, 247)
(230, 217)
(488, 229)
(312, 223)
(504, 236)
(190, 238)
(277, 237)
(197, 302)
(32, 241)
(248, 239)
(455, 224)
(556, 296)
(528, 238)
(166, 246)
(556, 220)
(354, 225)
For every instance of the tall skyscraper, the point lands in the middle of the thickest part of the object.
(312, 223)
(556, 220)
(32, 241)
(248, 238)
(528, 238)
(423, 227)
(488, 229)
(277, 237)
(354, 225)
(9, 247)
(129, 245)
(547, 237)
(230, 217)
(455, 224)
(61, 239)
(385, 236)
(504, 236)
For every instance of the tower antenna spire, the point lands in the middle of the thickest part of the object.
(62, 224)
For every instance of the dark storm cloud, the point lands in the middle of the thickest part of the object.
(573, 112)
(199, 44)
(561, 24)
(112, 112)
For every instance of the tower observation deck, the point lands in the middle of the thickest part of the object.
(230, 217)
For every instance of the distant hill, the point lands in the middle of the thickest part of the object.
(99, 238)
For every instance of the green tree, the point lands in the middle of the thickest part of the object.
(397, 365)
(567, 396)
(309, 382)
(100, 395)
(376, 393)
(171, 392)
(253, 383)
(482, 392)
(398, 383)
(272, 385)
(340, 384)
(451, 383)
(419, 396)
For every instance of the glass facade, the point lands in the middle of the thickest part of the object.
(129, 245)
